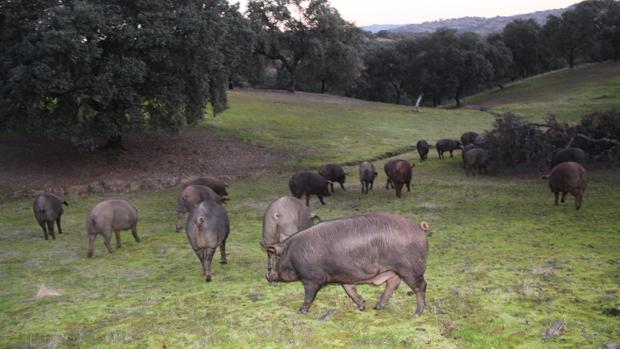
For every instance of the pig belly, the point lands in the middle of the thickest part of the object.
(380, 278)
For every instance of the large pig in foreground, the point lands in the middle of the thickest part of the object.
(371, 248)
(333, 173)
(47, 209)
(111, 216)
(367, 175)
(309, 183)
(568, 177)
(207, 228)
(283, 218)
(191, 197)
(216, 185)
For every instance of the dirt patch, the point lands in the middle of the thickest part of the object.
(150, 161)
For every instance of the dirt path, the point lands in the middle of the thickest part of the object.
(151, 161)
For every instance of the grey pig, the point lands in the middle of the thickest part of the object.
(47, 210)
(191, 197)
(108, 216)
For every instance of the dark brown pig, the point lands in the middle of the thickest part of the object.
(111, 216)
(569, 154)
(387, 167)
(476, 158)
(191, 197)
(308, 183)
(568, 177)
(468, 138)
(47, 209)
(399, 173)
(207, 228)
(447, 145)
(283, 218)
(333, 173)
(371, 248)
(216, 185)
(367, 175)
(423, 148)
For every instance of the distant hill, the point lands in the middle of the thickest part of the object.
(480, 25)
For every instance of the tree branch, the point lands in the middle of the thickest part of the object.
(599, 140)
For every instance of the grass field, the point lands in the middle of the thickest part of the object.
(568, 94)
(504, 263)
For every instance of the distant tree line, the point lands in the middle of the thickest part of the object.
(90, 71)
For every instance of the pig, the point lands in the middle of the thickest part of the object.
(444, 145)
(387, 167)
(476, 158)
(191, 197)
(468, 138)
(367, 175)
(423, 148)
(399, 173)
(207, 228)
(47, 209)
(216, 185)
(465, 150)
(480, 141)
(371, 248)
(333, 173)
(568, 177)
(283, 218)
(569, 154)
(108, 216)
(309, 183)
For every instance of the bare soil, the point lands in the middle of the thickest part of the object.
(150, 161)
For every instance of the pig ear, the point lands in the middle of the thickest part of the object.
(425, 226)
(200, 221)
(276, 249)
(277, 216)
(314, 216)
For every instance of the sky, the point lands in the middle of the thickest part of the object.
(366, 12)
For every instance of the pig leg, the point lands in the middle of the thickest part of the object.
(331, 185)
(107, 238)
(310, 289)
(50, 229)
(58, 224)
(321, 199)
(387, 184)
(223, 253)
(418, 285)
(399, 188)
(134, 232)
(307, 199)
(450, 153)
(42, 224)
(355, 297)
(179, 221)
(118, 238)
(91, 244)
(207, 263)
(341, 186)
(408, 187)
(563, 196)
(371, 184)
(557, 197)
(391, 286)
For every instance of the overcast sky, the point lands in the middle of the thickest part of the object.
(366, 12)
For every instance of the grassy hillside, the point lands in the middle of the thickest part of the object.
(568, 93)
(504, 262)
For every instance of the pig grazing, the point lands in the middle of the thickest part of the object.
(465, 150)
(367, 175)
(568, 177)
(569, 154)
(333, 173)
(191, 197)
(399, 173)
(475, 158)
(468, 138)
(216, 185)
(207, 228)
(423, 148)
(308, 183)
(371, 248)
(447, 145)
(283, 218)
(111, 216)
(47, 209)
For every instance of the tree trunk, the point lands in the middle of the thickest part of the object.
(417, 103)
(291, 84)
(323, 89)
(230, 83)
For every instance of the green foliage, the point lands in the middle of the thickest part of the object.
(522, 37)
(88, 71)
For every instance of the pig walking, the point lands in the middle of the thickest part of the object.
(367, 175)
(47, 209)
(192, 196)
(111, 216)
(370, 248)
(207, 228)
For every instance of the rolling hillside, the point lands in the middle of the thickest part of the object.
(568, 93)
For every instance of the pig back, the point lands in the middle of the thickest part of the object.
(214, 229)
(115, 214)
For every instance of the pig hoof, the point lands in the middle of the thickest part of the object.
(361, 307)
(303, 310)
(208, 278)
(378, 307)
(223, 262)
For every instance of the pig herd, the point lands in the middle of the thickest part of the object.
(373, 248)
